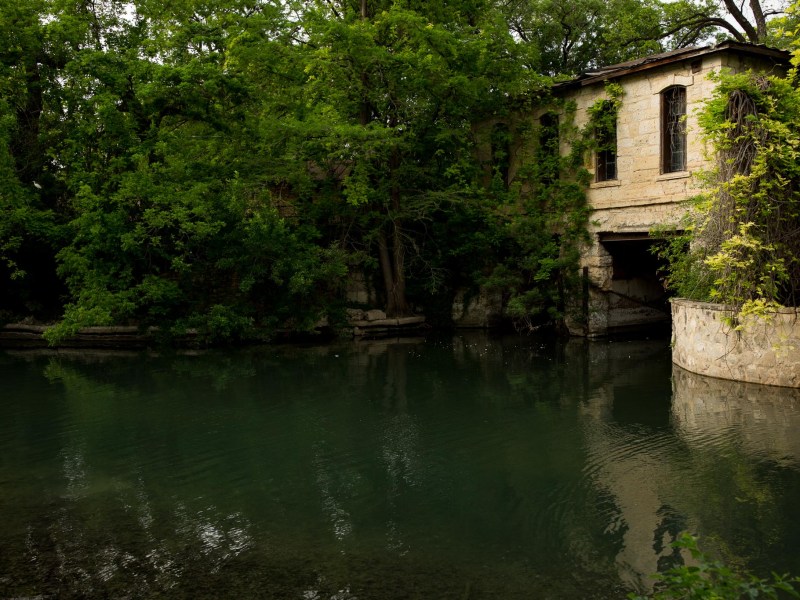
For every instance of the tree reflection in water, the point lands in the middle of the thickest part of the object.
(471, 466)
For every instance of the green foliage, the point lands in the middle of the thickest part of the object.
(707, 579)
(546, 220)
(391, 102)
(172, 219)
(686, 272)
(222, 166)
(744, 244)
(550, 226)
(571, 37)
(601, 130)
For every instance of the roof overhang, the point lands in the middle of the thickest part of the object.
(779, 57)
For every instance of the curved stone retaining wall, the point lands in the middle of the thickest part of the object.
(763, 351)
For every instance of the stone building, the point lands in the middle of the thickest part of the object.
(641, 180)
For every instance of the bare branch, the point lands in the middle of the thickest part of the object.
(694, 24)
(333, 9)
(739, 17)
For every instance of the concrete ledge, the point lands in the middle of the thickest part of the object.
(384, 327)
(20, 335)
(398, 322)
(764, 351)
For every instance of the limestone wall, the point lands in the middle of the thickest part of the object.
(642, 197)
(763, 351)
(640, 184)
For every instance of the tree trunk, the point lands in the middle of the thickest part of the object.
(400, 307)
(741, 19)
(392, 268)
(24, 144)
(392, 263)
(397, 303)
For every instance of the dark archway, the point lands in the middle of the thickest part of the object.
(637, 299)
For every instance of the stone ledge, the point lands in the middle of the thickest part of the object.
(398, 322)
(596, 185)
(762, 351)
(783, 310)
(22, 335)
(674, 175)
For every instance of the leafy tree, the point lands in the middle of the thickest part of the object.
(170, 221)
(571, 37)
(392, 94)
(222, 164)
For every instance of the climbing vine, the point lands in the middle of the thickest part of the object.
(599, 134)
(550, 222)
(744, 230)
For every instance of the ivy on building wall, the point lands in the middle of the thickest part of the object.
(741, 245)
(599, 134)
(550, 216)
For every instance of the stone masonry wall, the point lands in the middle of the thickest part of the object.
(642, 197)
(763, 351)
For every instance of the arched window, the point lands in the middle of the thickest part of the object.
(548, 153)
(673, 129)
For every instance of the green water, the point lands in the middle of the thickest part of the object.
(466, 467)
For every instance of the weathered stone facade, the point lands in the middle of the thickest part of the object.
(643, 193)
(481, 310)
(765, 351)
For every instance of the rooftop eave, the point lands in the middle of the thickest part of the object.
(658, 60)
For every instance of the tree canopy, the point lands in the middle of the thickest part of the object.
(224, 164)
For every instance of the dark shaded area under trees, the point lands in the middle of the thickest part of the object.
(223, 165)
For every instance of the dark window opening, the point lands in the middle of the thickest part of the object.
(673, 129)
(548, 147)
(548, 133)
(501, 153)
(606, 165)
(606, 158)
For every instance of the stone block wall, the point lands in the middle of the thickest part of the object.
(481, 310)
(642, 197)
(640, 184)
(764, 351)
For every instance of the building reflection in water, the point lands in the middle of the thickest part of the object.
(657, 468)
(765, 418)
(624, 454)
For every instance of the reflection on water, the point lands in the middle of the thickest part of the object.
(765, 419)
(626, 435)
(470, 467)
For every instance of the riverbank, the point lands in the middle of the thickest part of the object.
(361, 323)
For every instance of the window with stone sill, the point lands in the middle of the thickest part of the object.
(673, 129)
(606, 155)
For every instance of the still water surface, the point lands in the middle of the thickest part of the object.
(466, 467)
